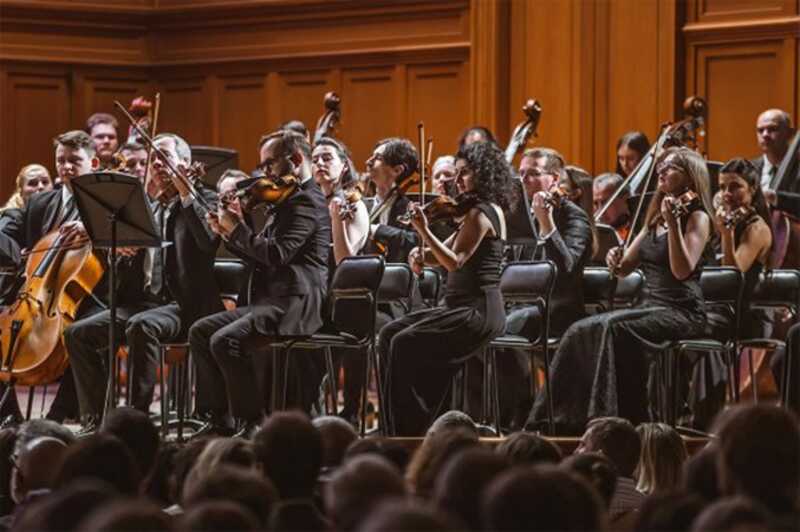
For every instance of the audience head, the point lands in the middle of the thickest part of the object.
(159, 487)
(774, 133)
(127, 516)
(475, 134)
(38, 428)
(429, 458)
(135, 429)
(603, 187)
(67, 507)
(528, 448)
(597, 470)
(733, 513)
(75, 155)
(541, 498)
(463, 481)
(390, 449)
(615, 438)
(392, 160)
(297, 515)
(758, 456)
(102, 128)
(481, 169)
(357, 487)
(290, 451)
(631, 148)
(36, 466)
(230, 451)
(337, 435)
(104, 457)
(218, 515)
(453, 419)
(700, 473)
(184, 462)
(668, 511)
(540, 169)
(662, 458)
(407, 515)
(232, 483)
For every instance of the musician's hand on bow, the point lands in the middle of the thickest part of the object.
(335, 209)
(228, 220)
(416, 260)
(668, 209)
(72, 231)
(213, 223)
(418, 219)
(614, 258)
(181, 184)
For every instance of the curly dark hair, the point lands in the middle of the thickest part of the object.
(492, 172)
(745, 169)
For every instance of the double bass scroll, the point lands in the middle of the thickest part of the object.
(524, 130)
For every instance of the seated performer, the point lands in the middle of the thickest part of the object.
(161, 293)
(631, 149)
(288, 261)
(617, 214)
(601, 365)
(32, 178)
(102, 127)
(422, 350)
(565, 234)
(135, 156)
(46, 212)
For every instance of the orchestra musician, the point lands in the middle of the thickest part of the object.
(631, 149)
(32, 178)
(774, 134)
(422, 350)
(443, 175)
(578, 184)
(475, 134)
(102, 127)
(289, 271)
(135, 157)
(618, 214)
(566, 236)
(393, 161)
(161, 293)
(43, 213)
(601, 366)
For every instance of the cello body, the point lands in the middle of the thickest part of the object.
(58, 278)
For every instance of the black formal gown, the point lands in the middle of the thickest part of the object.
(424, 349)
(601, 366)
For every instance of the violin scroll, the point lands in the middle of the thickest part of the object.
(443, 208)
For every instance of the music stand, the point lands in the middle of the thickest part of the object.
(115, 212)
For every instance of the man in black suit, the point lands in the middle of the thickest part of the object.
(774, 134)
(163, 291)
(564, 235)
(46, 212)
(288, 283)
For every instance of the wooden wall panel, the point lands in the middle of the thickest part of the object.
(301, 95)
(718, 10)
(369, 109)
(38, 111)
(739, 81)
(98, 92)
(186, 109)
(242, 116)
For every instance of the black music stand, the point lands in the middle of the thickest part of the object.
(115, 212)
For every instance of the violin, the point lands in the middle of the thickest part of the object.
(556, 195)
(733, 218)
(398, 189)
(265, 190)
(352, 195)
(680, 207)
(444, 208)
(167, 191)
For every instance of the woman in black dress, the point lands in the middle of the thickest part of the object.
(422, 350)
(601, 366)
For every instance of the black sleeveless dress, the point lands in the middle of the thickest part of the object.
(601, 366)
(421, 351)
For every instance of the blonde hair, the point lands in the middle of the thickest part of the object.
(16, 201)
(693, 164)
(661, 460)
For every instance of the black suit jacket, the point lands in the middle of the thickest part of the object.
(189, 261)
(398, 238)
(289, 262)
(788, 199)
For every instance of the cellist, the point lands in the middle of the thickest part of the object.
(75, 155)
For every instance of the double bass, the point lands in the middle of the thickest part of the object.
(524, 130)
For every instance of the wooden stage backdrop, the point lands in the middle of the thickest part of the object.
(230, 70)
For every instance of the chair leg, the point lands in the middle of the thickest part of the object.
(486, 387)
(162, 366)
(128, 380)
(382, 378)
(786, 374)
(276, 380)
(364, 389)
(548, 393)
(332, 388)
(29, 409)
(676, 385)
(287, 362)
(495, 386)
(753, 381)
(183, 394)
(44, 401)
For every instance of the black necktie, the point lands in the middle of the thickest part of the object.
(157, 264)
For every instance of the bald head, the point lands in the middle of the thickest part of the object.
(37, 465)
(773, 133)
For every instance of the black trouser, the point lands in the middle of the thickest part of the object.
(224, 346)
(142, 327)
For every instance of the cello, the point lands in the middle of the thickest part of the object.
(525, 129)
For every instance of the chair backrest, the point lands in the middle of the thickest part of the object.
(430, 285)
(397, 283)
(231, 277)
(599, 286)
(778, 288)
(607, 238)
(721, 284)
(528, 281)
(354, 295)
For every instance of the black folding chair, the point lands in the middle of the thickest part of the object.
(602, 291)
(430, 284)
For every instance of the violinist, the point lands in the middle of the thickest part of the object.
(631, 149)
(618, 214)
(46, 212)
(393, 162)
(162, 292)
(600, 367)
(565, 236)
(578, 184)
(288, 262)
(333, 173)
(135, 157)
(102, 127)
(423, 349)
